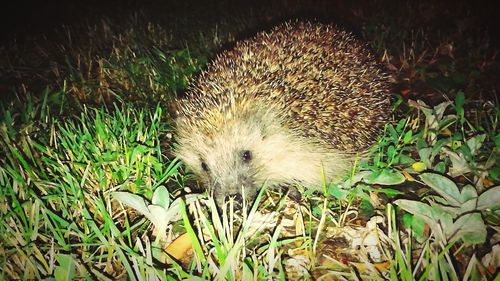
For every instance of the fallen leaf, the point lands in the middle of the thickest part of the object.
(179, 247)
(446, 132)
(408, 176)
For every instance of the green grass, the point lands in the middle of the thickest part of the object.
(89, 188)
(57, 177)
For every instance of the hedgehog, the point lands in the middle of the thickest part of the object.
(292, 106)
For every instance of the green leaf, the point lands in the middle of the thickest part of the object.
(444, 187)
(385, 177)
(440, 167)
(351, 181)
(468, 206)
(401, 124)
(494, 173)
(441, 108)
(436, 149)
(459, 105)
(436, 218)
(358, 192)
(110, 156)
(187, 199)
(407, 218)
(421, 210)
(475, 143)
(468, 192)
(391, 192)
(376, 160)
(466, 152)
(447, 121)
(408, 137)
(393, 133)
(161, 197)
(247, 272)
(415, 223)
(421, 144)
(160, 219)
(391, 152)
(317, 211)
(337, 192)
(366, 208)
(497, 140)
(417, 208)
(133, 201)
(170, 171)
(404, 160)
(490, 199)
(66, 268)
(470, 228)
(137, 152)
(425, 156)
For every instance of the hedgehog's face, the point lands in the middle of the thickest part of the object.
(232, 159)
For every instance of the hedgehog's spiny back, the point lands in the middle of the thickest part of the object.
(325, 83)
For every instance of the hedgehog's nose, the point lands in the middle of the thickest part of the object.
(238, 200)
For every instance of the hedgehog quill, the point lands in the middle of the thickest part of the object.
(294, 105)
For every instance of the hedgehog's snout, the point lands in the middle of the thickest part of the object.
(234, 178)
(239, 190)
(238, 200)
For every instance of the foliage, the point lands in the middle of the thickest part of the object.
(56, 181)
(454, 215)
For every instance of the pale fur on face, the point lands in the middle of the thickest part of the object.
(278, 156)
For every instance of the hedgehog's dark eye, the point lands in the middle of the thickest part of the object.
(204, 166)
(246, 156)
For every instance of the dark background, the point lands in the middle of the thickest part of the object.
(24, 18)
(434, 47)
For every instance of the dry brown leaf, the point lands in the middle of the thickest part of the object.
(380, 266)
(408, 176)
(179, 247)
